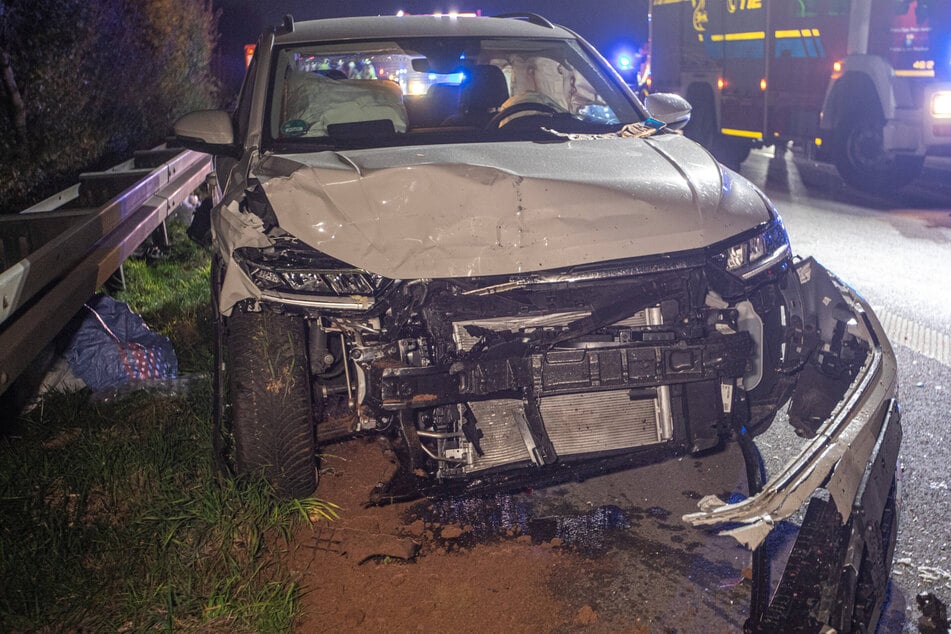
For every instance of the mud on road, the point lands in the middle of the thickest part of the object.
(606, 555)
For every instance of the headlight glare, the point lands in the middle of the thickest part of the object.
(757, 248)
(941, 104)
(736, 257)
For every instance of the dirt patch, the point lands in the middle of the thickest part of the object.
(382, 569)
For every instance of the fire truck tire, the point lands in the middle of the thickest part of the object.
(704, 129)
(730, 151)
(271, 412)
(702, 126)
(860, 157)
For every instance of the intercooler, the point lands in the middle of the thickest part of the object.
(579, 423)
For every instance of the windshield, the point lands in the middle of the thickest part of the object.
(426, 90)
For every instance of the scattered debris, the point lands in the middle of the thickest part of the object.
(585, 616)
(451, 532)
(934, 614)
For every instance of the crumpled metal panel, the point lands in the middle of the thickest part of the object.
(502, 208)
(233, 228)
(835, 459)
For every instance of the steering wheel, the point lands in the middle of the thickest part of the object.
(525, 106)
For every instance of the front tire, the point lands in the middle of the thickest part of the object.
(271, 412)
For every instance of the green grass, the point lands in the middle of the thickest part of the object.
(114, 517)
(172, 294)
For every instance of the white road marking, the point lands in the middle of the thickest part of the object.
(921, 339)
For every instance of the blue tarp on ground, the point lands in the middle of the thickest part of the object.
(113, 346)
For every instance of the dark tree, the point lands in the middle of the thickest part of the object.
(96, 80)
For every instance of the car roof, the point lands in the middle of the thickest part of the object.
(361, 28)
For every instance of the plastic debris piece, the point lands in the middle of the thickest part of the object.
(934, 614)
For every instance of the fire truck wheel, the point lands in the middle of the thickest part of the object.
(702, 126)
(270, 400)
(860, 157)
(731, 151)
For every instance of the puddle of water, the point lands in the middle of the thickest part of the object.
(493, 517)
(589, 531)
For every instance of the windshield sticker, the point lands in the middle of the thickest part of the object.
(294, 127)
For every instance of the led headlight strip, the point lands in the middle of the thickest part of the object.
(754, 255)
(301, 270)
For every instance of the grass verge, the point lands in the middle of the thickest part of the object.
(114, 517)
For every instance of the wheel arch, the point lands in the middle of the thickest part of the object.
(702, 93)
(704, 124)
(864, 78)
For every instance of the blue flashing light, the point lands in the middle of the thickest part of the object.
(624, 62)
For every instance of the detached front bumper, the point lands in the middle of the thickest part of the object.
(839, 455)
(837, 573)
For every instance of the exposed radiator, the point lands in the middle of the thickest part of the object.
(600, 421)
(576, 423)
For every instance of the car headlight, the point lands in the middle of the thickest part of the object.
(941, 104)
(754, 254)
(290, 266)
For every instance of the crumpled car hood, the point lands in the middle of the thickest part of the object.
(514, 207)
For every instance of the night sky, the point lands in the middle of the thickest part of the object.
(613, 26)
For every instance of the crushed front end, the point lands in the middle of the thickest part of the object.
(485, 380)
(493, 382)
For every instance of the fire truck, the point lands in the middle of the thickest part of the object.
(863, 83)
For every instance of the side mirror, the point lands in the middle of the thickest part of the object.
(208, 131)
(672, 109)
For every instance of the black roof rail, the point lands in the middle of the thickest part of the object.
(287, 26)
(534, 18)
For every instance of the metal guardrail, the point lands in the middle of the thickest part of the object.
(59, 252)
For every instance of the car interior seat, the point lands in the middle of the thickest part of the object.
(482, 93)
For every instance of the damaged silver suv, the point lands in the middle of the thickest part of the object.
(467, 234)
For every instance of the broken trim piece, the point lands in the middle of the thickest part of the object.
(835, 458)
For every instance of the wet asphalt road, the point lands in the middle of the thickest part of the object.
(654, 573)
